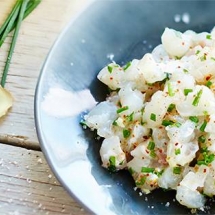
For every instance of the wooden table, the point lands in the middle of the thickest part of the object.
(27, 185)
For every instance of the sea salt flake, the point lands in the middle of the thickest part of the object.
(186, 18)
(177, 18)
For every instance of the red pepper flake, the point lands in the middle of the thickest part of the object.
(208, 77)
(179, 82)
(205, 170)
(147, 151)
(176, 144)
(111, 78)
(182, 43)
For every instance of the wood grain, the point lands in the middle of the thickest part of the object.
(27, 186)
(37, 34)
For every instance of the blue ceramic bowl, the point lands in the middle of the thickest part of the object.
(67, 88)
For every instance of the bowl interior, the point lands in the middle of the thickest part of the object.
(106, 30)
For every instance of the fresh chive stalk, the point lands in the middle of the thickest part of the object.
(203, 126)
(13, 43)
(8, 26)
(4, 26)
(21, 9)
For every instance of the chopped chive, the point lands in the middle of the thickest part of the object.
(208, 84)
(114, 123)
(177, 124)
(159, 173)
(208, 36)
(197, 98)
(152, 154)
(131, 171)
(170, 89)
(171, 107)
(201, 162)
(130, 117)
(177, 151)
(127, 65)
(209, 158)
(177, 170)
(197, 52)
(194, 119)
(187, 91)
(110, 69)
(167, 122)
(153, 117)
(177, 58)
(112, 164)
(203, 126)
(126, 133)
(141, 181)
(185, 71)
(213, 58)
(120, 110)
(151, 145)
(203, 57)
(202, 139)
(147, 169)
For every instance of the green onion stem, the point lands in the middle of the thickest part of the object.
(20, 17)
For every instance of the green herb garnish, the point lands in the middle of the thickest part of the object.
(110, 69)
(141, 181)
(147, 169)
(194, 119)
(127, 65)
(167, 122)
(197, 98)
(120, 110)
(153, 117)
(112, 164)
(202, 139)
(187, 91)
(126, 133)
(208, 84)
(171, 107)
(203, 126)
(208, 36)
(177, 151)
(151, 145)
(170, 89)
(177, 170)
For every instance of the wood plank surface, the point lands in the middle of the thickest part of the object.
(27, 186)
(37, 35)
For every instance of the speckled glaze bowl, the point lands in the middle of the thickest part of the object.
(67, 87)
